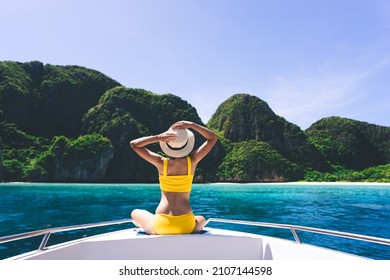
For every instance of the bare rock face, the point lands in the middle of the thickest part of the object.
(77, 169)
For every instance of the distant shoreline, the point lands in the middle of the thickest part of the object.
(216, 183)
(306, 183)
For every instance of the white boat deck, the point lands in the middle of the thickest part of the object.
(213, 244)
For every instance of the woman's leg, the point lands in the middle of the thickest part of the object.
(199, 224)
(143, 219)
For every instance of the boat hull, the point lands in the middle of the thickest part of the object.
(213, 244)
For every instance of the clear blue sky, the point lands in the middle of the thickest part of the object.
(308, 59)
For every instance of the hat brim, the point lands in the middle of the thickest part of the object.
(178, 153)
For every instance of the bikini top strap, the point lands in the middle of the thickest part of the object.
(165, 167)
(189, 165)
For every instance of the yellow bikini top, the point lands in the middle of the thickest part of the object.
(176, 183)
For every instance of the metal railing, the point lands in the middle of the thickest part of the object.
(47, 232)
(295, 228)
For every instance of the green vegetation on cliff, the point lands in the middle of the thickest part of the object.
(83, 159)
(353, 144)
(39, 103)
(267, 147)
(359, 151)
(19, 148)
(61, 160)
(255, 161)
(48, 100)
(379, 173)
(123, 114)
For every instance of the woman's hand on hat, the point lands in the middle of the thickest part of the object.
(167, 136)
(182, 125)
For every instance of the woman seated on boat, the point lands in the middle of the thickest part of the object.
(174, 213)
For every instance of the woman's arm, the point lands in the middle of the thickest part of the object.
(205, 148)
(139, 146)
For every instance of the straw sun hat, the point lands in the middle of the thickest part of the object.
(181, 146)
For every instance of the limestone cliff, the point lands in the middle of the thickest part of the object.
(73, 124)
(354, 144)
(244, 117)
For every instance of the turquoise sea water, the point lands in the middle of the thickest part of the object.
(361, 209)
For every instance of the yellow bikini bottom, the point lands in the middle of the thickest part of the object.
(168, 224)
